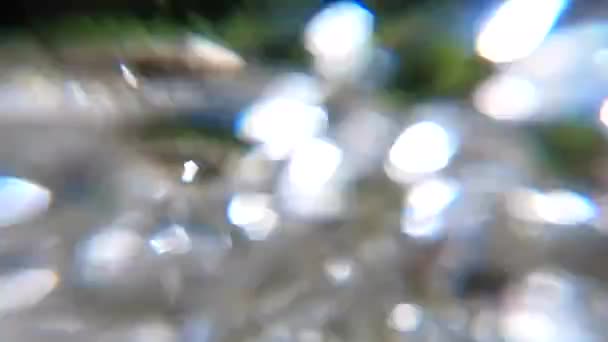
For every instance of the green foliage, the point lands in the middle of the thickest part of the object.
(198, 24)
(245, 33)
(570, 149)
(434, 63)
(79, 29)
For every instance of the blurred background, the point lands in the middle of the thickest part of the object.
(431, 44)
(307, 171)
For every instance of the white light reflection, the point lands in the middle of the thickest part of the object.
(424, 204)
(254, 214)
(522, 204)
(558, 207)
(280, 124)
(173, 240)
(109, 253)
(26, 288)
(405, 317)
(339, 271)
(313, 164)
(296, 86)
(155, 330)
(600, 59)
(552, 285)
(604, 112)
(517, 28)
(81, 98)
(339, 31)
(309, 185)
(529, 326)
(422, 148)
(128, 76)
(21, 200)
(212, 55)
(539, 308)
(429, 198)
(339, 38)
(190, 170)
(565, 208)
(507, 98)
